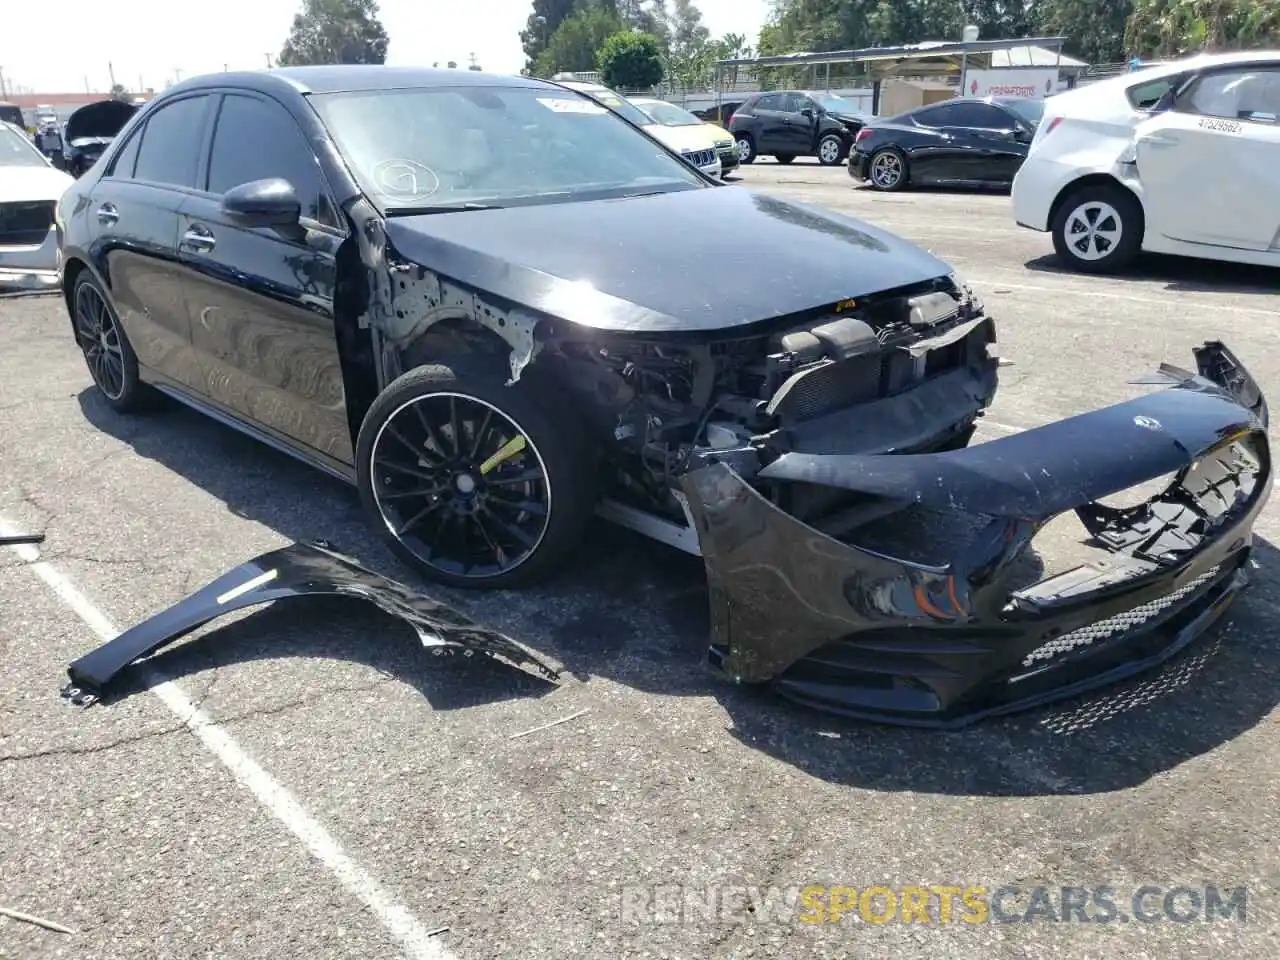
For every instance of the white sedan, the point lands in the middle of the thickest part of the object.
(1181, 158)
(30, 188)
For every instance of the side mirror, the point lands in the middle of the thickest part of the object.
(262, 203)
(1023, 135)
(807, 112)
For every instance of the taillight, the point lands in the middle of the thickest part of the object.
(730, 120)
(862, 135)
(1053, 122)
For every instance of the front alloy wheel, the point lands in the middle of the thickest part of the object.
(471, 480)
(461, 484)
(746, 149)
(829, 149)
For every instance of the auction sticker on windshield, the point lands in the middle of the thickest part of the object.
(575, 105)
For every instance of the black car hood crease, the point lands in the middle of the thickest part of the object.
(642, 263)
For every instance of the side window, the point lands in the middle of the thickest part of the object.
(124, 162)
(1241, 94)
(795, 102)
(981, 116)
(170, 151)
(1144, 96)
(772, 101)
(939, 116)
(278, 150)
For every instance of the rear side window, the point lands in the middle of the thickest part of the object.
(278, 150)
(1241, 94)
(773, 101)
(940, 116)
(170, 151)
(982, 116)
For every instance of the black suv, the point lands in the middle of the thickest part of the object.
(793, 123)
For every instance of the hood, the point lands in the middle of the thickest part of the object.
(27, 184)
(693, 137)
(641, 263)
(103, 119)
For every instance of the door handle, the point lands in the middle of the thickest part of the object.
(107, 213)
(199, 239)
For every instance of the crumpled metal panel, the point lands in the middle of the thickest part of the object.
(299, 570)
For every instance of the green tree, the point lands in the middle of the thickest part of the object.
(543, 22)
(1095, 28)
(1166, 28)
(335, 31)
(118, 92)
(892, 22)
(576, 44)
(631, 60)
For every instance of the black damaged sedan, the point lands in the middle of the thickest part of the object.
(482, 300)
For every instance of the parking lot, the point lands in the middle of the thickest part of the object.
(312, 783)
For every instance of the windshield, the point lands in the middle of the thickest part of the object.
(450, 147)
(17, 151)
(1031, 111)
(838, 105)
(669, 115)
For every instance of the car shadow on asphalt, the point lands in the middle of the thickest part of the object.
(928, 189)
(636, 612)
(1180, 274)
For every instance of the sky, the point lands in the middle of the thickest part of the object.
(61, 47)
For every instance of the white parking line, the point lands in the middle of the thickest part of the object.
(412, 935)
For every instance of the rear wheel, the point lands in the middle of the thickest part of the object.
(1098, 229)
(887, 170)
(830, 150)
(107, 352)
(746, 148)
(475, 483)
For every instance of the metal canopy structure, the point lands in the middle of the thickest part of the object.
(928, 50)
(929, 58)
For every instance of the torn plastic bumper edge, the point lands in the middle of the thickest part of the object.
(299, 570)
(856, 632)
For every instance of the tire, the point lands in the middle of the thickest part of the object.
(881, 170)
(106, 349)
(831, 150)
(746, 148)
(1098, 212)
(784, 158)
(552, 444)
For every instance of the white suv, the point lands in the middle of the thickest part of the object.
(1180, 158)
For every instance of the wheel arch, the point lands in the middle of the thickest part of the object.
(1095, 180)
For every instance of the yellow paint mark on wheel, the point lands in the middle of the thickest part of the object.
(508, 450)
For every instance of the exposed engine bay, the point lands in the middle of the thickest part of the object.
(905, 370)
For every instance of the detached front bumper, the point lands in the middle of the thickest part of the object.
(31, 266)
(857, 631)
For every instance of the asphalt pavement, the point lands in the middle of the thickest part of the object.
(307, 782)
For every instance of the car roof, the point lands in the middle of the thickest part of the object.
(351, 78)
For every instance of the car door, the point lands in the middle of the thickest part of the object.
(770, 111)
(994, 141)
(260, 298)
(800, 129)
(930, 144)
(1210, 166)
(133, 219)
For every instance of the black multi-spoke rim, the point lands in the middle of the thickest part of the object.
(461, 485)
(100, 340)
